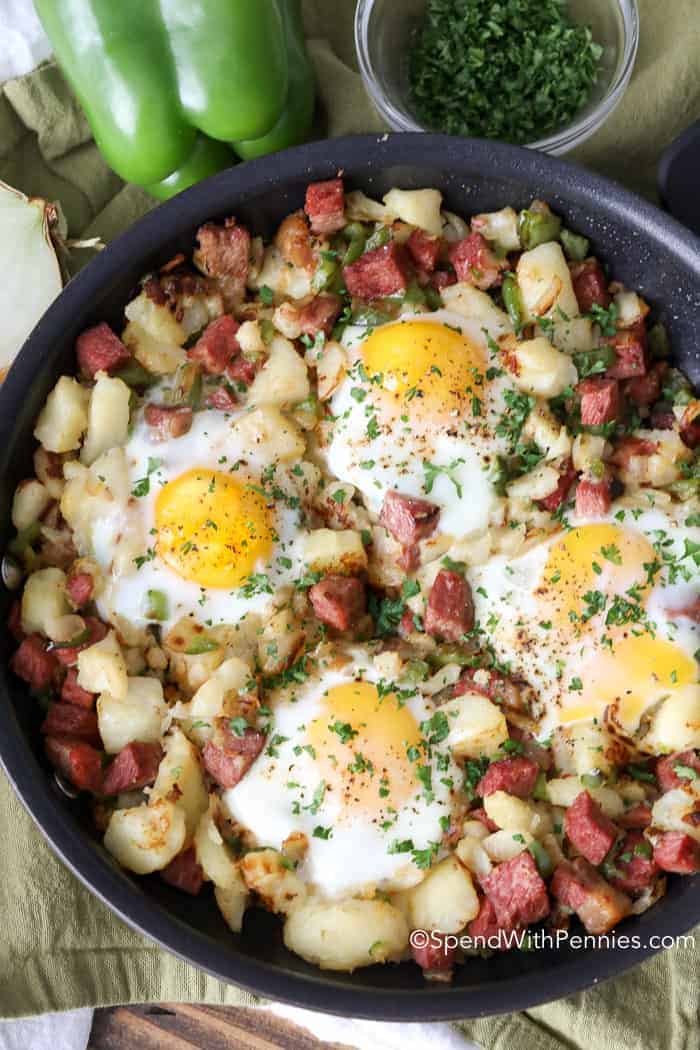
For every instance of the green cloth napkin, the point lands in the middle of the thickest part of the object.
(61, 948)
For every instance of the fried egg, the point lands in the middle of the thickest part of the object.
(418, 412)
(593, 617)
(361, 767)
(219, 522)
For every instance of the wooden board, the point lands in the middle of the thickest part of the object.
(178, 1026)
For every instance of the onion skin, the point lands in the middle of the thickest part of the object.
(31, 268)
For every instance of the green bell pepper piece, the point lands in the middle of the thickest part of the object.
(294, 126)
(151, 73)
(537, 227)
(206, 158)
(157, 605)
(575, 246)
(512, 300)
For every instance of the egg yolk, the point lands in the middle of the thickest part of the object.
(212, 529)
(588, 560)
(637, 672)
(361, 742)
(427, 365)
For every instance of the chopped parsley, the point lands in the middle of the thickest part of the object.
(258, 583)
(518, 408)
(432, 471)
(528, 54)
(143, 485)
(344, 731)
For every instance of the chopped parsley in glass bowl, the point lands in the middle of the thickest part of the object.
(540, 73)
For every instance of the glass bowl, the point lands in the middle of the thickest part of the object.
(383, 31)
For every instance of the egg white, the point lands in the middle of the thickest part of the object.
(211, 444)
(394, 458)
(576, 673)
(276, 797)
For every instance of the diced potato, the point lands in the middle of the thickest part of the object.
(545, 283)
(631, 308)
(563, 791)
(287, 321)
(268, 434)
(383, 567)
(156, 337)
(499, 227)
(676, 723)
(279, 642)
(64, 418)
(512, 813)
(330, 369)
(156, 319)
(417, 208)
(360, 208)
(583, 748)
(146, 838)
(445, 900)
(138, 715)
(588, 449)
(284, 280)
(232, 905)
(504, 845)
(540, 369)
(48, 472)
(93, 495)
(477, 726)
(30, 501)
(101, 668)
(284, 380)
(537, 484)
(162, 359)
(195, 311)
(475, 829)
(65, 628)
(44, 600)
(469, 301)
(670, 810)
(108, 417)
(473, 855)
(446, 676)
(180, 779)
(551, 844)
(215, 857)
(661, 468)
(112, 471)
(454, 227)
(250, 338)
(344, 935)
(547, 432)
(630, 790)
(210, 700)
(278, 886)
(335, 551)
(574, 335)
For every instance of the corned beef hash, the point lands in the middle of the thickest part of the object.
(360, 580)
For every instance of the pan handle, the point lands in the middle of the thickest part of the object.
(678, 178)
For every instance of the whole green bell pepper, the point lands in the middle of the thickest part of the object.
(297, 117)
(159, 79)
(207, 157)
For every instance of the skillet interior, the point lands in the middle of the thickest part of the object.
(645, 249)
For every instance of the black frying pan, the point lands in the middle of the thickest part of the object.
(643, 247)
